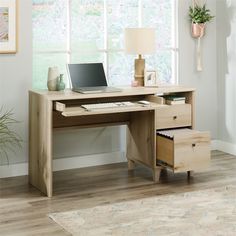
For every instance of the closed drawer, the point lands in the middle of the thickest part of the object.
(183, 150)
(173, 116)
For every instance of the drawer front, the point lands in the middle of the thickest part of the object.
(173, 116)
(191, 151)
(185, 152)
(165, 150)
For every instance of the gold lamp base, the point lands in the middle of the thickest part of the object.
(139, 67)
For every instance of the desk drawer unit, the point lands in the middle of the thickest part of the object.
(173, 116)
(183, 149)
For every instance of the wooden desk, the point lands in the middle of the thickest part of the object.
(49, 111)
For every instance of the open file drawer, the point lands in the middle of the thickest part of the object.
(183, 149)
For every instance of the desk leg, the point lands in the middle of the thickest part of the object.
(131, 165)
(40, 143)
(190, 173)
(157, 174)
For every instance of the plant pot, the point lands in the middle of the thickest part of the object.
(198, 30)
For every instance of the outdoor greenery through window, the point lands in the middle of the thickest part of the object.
(83, 31)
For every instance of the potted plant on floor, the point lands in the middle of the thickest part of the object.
(9, 140)
(199, 16)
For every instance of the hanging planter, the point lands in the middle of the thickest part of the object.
(199, 16)
(198, 30)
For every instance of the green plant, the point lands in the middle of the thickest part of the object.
(9, 140)
(200, 14)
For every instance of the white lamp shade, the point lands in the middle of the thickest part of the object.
(140, 40)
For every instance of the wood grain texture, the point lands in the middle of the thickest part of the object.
(131, 165)
(60, 121)
(62, 110)
(80, 111)
(191, 151)
(165, 150)
(127, 91)
(185, 152)
(24, 211)
(141, 138)
(173, 116)
(156, 99)
(190, 99)
(58, 106)
(40, 143)
(156, 173)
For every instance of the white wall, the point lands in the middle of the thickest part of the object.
(87, 142)
(226, 64)
(16, 80)
(16, 76)
(205, 82)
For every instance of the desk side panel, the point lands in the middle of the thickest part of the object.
(141, 138)
(192, 102)
(190, 99)
(40, 143)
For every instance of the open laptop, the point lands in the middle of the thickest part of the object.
(89, 78)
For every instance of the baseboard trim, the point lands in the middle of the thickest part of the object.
(95, 160)
(214, 144)
(66, 163)
(87, 161)
(225, 147)
(13, 170)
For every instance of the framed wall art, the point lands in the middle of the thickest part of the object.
(150, 78)
(8, 26)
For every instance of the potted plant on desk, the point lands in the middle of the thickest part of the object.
(9, 140)
(199, 16)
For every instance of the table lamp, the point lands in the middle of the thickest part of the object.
(140, 41)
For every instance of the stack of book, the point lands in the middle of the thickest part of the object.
(174, 100)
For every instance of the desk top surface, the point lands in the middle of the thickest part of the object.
(126, 91)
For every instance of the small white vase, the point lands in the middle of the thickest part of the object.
(53, 74)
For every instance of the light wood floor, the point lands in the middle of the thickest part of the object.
(23, 210)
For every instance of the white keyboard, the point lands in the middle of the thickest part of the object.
(96, 106)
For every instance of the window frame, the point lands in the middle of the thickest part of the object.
(174, 49)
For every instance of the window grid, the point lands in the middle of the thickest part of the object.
(106, 50)
(140, 13)
(106, 53)
(68, 43)
(175, 49)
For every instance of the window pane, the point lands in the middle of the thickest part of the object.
(159, 15)
(87, 36)
(92, 57)
(41, 62)
(120, 15)
(161, 62)
(49, 24)
(87, 24)
(121, 69)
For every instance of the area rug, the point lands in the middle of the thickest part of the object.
(206, 212)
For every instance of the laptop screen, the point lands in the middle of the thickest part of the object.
(87, 75)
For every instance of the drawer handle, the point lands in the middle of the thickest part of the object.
(174, 117)
(194, 145)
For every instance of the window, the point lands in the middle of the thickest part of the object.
(77, 31)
